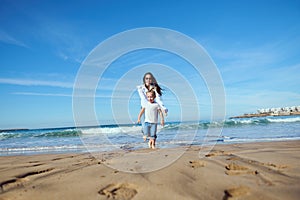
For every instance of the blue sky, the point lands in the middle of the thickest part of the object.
(254, 44)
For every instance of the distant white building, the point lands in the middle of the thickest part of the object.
(279, 110)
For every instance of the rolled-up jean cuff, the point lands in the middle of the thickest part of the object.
(150, 130)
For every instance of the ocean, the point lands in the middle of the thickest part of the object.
(129, 137)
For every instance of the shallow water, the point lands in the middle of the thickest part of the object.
(129, 136)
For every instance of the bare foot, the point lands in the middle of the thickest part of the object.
(153, 144)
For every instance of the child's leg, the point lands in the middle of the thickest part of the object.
(143, 128)
(153, 144)
(150, 143)
(146, 131)
(144, 137)
(153, 135)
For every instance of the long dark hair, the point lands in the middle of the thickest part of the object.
(154, 83)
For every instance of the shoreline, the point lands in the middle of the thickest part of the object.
(261, 170)
(81, 151)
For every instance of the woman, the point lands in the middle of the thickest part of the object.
(150, 83)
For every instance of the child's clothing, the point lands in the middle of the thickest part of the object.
(150, 130)
(151, 119)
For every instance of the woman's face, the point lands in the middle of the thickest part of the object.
(148, 79)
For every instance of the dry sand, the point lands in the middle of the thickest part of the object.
(239, 171)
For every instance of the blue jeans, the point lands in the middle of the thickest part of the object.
(150, 130)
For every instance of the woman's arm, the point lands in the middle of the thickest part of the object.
(160, 103)
(142, 94)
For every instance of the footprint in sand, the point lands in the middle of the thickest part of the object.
(236, 192)
(122, 191)
(20, 179)
(279, 167)
(197, 163)
(217, 153)
(235, 169)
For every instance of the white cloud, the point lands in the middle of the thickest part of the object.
(30, 82)
(64, 38)
(8, 39)
(251, 100)
(42, 94)
(100, 96)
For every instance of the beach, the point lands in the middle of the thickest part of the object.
(261, 170)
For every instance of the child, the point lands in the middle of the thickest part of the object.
(151, 110)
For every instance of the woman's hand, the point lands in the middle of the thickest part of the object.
(152, 87)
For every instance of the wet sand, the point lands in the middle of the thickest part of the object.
(268, 170)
